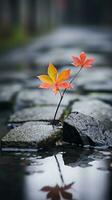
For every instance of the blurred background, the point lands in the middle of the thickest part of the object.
(22, 20)
(34, 33)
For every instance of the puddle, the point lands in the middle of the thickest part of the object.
(69, 174)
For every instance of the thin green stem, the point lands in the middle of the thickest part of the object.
(76, 75)
(62, 95)
(57, 108)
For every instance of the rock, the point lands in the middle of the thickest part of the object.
(96, 109)
(31, 135)
(7, 92)
(89, 124)
(44, 113)
(30, 97)
(81, 129)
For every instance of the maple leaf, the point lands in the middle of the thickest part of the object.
(82, 60)
(55, 81)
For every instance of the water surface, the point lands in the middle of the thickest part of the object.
(74, 173)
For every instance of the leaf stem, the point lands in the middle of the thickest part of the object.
(62, 94)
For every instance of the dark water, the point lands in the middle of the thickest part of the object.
(69, 174)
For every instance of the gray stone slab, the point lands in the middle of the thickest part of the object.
(29, 97)
(96, 109)
(13, 76)
(94, 75)
(105, 97)
(7, 92)
(30, 134)
(102, 86)
(32, 83)
(36, 114)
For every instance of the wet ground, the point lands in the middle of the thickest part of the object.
(66, 172)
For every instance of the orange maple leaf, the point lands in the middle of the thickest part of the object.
(54, 80)
(82, 60)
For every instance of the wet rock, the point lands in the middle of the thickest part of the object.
(36, 114)
(7, 92)
(85, 130)
(31, 135)
(29, 97)
(89, 124)
(96, 109)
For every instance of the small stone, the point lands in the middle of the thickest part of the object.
(45, 113)
(30, 135)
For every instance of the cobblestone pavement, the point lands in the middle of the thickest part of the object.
(26, 111)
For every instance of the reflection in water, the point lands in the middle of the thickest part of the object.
(56, 192)
(73, 174)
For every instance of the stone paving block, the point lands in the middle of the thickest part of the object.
(101, 86)
(13, 76)
(29, 97)
(36, 114)
(32, 83)
(7, 92)
(30, 134)
(105, 97)
(94, 75)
